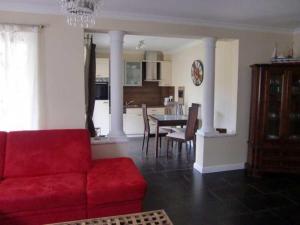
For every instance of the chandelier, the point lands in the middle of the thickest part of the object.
(81, 12)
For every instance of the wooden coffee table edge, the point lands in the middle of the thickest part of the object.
(117, 216)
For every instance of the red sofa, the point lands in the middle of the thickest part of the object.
(48, 176)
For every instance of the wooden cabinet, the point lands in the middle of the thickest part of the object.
(102, 67)
(165, 73)
(274, 136)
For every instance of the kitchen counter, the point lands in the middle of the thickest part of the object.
(139, 106)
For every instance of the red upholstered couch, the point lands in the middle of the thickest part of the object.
(48, 176)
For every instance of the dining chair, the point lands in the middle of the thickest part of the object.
(182, 129)
(189, 133)
(148, 133)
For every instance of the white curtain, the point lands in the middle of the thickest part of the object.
(18, 78)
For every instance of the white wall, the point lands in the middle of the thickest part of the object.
(226, 78)
(62, 65)
(182, 60)
(129, 55)
(61, 70)
(226, 84)
(297, 44)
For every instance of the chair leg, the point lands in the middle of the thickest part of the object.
(179, 146)
(148, 137)
(160, 142)
(168, 147)
(143, 142)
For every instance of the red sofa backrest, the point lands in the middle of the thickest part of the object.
(34, 153)
(2, 152)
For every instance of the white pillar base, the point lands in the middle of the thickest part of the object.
(198, 167)
(116, 139)
(210, 133)
(219, 168)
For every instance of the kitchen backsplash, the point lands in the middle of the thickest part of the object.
(150, 93)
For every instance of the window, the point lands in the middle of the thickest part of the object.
(18, 78)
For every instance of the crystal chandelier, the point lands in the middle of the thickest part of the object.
(81, 12)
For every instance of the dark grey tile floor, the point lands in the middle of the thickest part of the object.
(226, 198)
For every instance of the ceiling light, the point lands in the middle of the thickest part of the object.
(81, 12)
(140, 45)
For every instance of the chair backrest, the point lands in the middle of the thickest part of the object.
(2, 152)
(196, 105)
(146, 119)
(191, 123)
(46, 152)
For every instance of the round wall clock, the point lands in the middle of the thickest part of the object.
(197, 72)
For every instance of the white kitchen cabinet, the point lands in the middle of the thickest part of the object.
(102, 67)
(133, 121)
(157, 110)
(165, 73)
(101, 116)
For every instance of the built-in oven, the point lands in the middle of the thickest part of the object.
(102, 89)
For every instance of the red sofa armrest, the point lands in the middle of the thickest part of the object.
(114, 180)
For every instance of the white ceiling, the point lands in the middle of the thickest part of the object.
(271, 14)
(164, 44)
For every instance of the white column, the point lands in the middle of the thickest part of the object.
(116, 84)
(208, 98)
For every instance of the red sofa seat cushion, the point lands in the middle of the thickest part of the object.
(45, 192)
(46, 152)
(2, 152)
(114, 180)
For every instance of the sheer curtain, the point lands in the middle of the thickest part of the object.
(18, 78)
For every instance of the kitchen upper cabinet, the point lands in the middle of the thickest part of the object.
(165, 73)
(102, 67)
(133, 74)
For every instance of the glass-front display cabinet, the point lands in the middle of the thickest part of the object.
(133, 74)
(294, 106)
(274, 130)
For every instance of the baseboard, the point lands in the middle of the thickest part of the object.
(219, 168)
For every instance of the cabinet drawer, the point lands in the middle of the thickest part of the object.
(291, 159)
(269, 154)
(160, 110)
(271, 159)
(135, 111)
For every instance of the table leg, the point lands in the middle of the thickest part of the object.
(156, 139)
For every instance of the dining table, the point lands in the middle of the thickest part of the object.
(164, 121)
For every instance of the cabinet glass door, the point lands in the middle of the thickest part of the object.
(133, 74)
(274, 87)
(294, 106)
